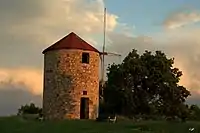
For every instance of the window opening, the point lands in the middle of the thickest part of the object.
(85, 58)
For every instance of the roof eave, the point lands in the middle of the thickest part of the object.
(46, 50)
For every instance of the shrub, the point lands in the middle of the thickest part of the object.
(29, 109)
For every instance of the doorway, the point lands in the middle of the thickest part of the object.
(84, 108)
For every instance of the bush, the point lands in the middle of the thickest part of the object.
(30, 109)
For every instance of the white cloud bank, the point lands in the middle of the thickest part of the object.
(182, 44)
(29, 78)
(27, 27)
(181, 19)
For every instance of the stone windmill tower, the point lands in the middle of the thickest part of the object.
(71, 79)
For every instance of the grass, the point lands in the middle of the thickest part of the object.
(18, 125)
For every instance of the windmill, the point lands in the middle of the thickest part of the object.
(103, 55)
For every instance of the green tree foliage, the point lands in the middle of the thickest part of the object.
(194, 112)
(29, 109)
(145, 84)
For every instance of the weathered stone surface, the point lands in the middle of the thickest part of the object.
(65, 79)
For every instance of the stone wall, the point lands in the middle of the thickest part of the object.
(65, 79)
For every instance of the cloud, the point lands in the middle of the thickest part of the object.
(184, 47)
(182, 44)
(30, 79)
(19, 87)
(12, 97)
(27, 27)
(180, 19)
(194, 99)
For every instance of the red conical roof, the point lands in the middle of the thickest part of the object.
(71, 41)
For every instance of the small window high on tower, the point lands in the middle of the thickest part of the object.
(85, 58)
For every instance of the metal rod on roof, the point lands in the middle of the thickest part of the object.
(104, 43)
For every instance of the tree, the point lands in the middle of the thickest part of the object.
(145, 84)
(29, 109)
(194, 112)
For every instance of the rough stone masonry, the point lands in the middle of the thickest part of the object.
(65, 79)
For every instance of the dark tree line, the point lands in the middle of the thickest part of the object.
(146, 84)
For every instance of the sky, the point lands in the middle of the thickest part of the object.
(28, 27)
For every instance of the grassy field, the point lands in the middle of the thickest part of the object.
(17, 125)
